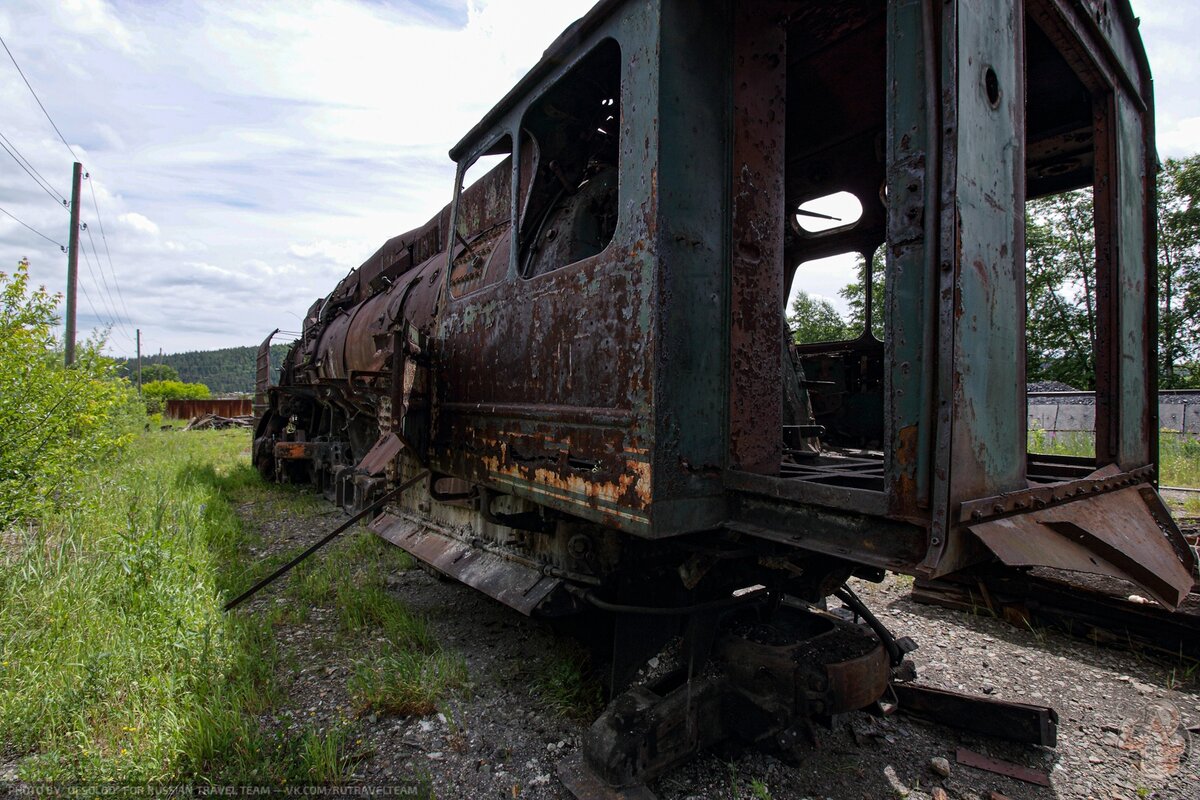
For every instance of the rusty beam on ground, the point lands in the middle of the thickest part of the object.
(969, 758)
(1017, 722)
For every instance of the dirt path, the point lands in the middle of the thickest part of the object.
(1122, 734)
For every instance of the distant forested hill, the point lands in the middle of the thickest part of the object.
(222, 371)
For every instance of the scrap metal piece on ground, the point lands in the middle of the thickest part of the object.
(1123, 530)
(969, 758)
(581, 782)
(1017, 722)
(1101, 613)
(206, 422)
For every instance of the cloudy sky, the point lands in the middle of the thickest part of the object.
(244, 155)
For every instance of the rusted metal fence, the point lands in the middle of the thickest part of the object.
(225, 407)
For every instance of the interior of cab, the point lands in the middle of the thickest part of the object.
(836, 120)
(835, 173)
(574, 130)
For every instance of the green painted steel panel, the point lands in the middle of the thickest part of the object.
(1134, 418)
(686, 166)
(988, 437)
(908, 381)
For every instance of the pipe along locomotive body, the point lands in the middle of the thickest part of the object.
(581, 375)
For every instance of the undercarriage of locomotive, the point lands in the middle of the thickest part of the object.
(736, 625)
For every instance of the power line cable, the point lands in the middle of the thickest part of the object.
(70, 150)
(112, 270)
(61, 246)
(39, 176)
(91, 305)
(115, 325)
(38, 99)
(49, 192)
(108, 318)
(111, 302)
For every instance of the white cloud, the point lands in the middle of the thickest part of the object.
(138, 223)
(1179, 138)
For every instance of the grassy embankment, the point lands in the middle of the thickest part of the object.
(117, 662)
(1178, 457)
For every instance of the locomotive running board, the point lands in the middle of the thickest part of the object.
(1123, 531)
(516, 585)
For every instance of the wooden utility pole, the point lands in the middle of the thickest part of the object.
(73, 262)
(139, 349)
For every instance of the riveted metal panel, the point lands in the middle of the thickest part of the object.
(982, 424)
(1134, 277)
(546, 382)
(988, 393)
(756, 269)
(912, 163)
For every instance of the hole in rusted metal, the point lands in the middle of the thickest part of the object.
(991, 85)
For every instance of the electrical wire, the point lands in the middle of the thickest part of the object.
(62, 198)
(115, 325)
(61, 246)
(45, 187)
(112, 270)
(35, 97)
(49, 189)
(108, 318)
(104, 281)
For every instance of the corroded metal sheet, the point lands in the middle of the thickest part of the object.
(299, 450)
(190, 409)
(987, 341)
(756, 260)
(1136, 374)
(379, 456)
(516, 585)
(914, 163)
(1115, 533)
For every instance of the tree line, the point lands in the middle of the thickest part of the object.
(1060, 286)
(224, 371)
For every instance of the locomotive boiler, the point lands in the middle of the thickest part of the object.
(574, 388)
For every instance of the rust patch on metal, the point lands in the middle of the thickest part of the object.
(969, 758)
(1116, 532)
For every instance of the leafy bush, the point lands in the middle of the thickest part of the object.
(157, 372)
(174, 390)
(54, 420)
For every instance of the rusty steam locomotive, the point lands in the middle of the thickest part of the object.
(574, 387)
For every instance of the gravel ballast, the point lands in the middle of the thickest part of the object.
(1122, 732)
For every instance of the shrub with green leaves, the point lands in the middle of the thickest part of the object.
(54, 420)
(175, 390)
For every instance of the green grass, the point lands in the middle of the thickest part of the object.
(404, 671)
(405, 682)
(1178, 456)
(117, 662)
(1080, 444)
(112, 642)
(565, 684)
(1179, 460)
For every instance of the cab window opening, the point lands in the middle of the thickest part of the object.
(483, 220)
(571, 210)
